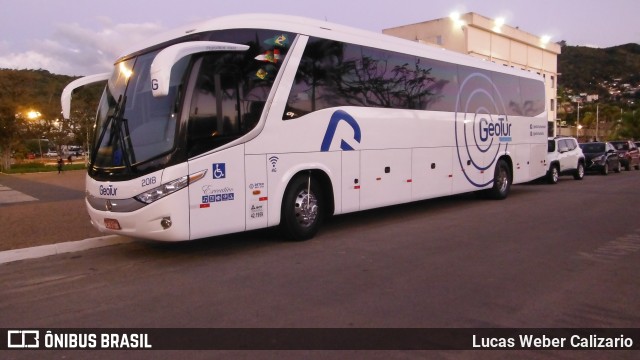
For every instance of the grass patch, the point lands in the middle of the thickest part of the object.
(33, 167)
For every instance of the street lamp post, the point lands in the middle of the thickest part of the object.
(578, 123)
(597, 121)
(33, 115)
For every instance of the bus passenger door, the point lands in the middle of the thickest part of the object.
(350, 181)
(217, 202)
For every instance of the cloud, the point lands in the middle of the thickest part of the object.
(77, 50)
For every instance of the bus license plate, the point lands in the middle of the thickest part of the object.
(112, 224)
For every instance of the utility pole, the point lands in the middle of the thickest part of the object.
(597, 120)
(578, 124)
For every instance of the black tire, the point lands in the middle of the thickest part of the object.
(579, 174)
(605, 169)
(628, 166)
(553, 175)
(302, 208)
(501, 181)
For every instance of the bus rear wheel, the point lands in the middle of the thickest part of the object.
(501, 181)
(302, 208)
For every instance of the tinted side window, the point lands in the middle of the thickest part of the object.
(562, 144)
(444, 87)
(569, 144)
(509, 87)
(477, 92)
(572, 144)
(380, 78)
(335, 74)
(533, 97)
(231, 89)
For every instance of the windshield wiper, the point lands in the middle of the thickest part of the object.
(125, 140)
(103, 131)
(116, 120)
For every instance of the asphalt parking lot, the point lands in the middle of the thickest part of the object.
(550, 256)
(43, 208)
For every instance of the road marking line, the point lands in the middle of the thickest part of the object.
(615, 249)
(61, 248)
(9, 196)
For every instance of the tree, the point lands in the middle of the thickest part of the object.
(629, 126)
(38, 92)
(83, 113)
(12, 110)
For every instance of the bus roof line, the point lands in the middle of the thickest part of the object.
(319, 28)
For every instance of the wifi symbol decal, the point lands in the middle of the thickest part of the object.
(274, 161)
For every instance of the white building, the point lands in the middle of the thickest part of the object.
(493, 41)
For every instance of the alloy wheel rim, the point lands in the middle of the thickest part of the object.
(503, 180)
(306, 208)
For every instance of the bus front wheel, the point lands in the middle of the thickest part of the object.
(302, 208)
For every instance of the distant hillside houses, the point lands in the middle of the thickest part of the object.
(583, 98)
(617, 91)
(616, 88)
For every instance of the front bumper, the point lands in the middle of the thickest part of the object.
(147, 222)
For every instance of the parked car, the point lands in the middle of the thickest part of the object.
(628, 153)
(51, 153)
(564, 157)
(601, 157)
(75, 150)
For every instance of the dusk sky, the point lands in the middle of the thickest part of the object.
(80, 37)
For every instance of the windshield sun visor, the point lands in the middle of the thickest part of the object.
(161, 67)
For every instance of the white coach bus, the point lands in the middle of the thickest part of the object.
(252, 121)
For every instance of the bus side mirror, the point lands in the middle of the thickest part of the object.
(65, 98)
(163, 62)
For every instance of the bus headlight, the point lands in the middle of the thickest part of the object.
(165, 189)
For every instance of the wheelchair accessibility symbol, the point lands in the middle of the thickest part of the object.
(219, 171)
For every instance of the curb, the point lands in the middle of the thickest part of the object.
(61, 248)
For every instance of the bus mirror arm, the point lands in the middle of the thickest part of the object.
(163, 62)
(65, 98)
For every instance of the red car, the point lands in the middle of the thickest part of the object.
(628, 153)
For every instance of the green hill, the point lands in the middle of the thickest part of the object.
(593, 70)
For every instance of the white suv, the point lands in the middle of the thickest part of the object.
(564, 157)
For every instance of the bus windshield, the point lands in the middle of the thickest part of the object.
(132, 125)
(214, 98)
